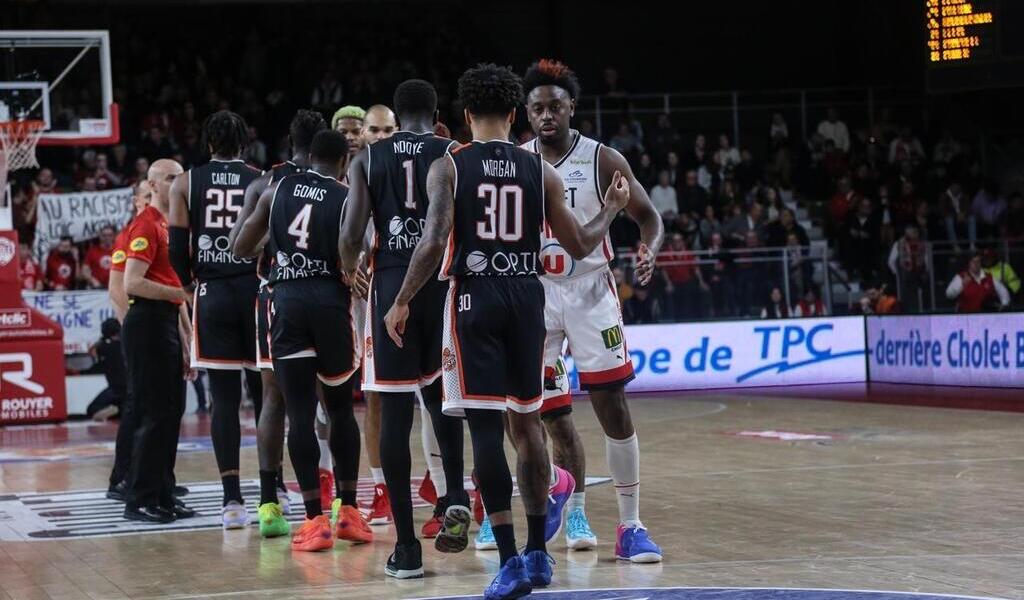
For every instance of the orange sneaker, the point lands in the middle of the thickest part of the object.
(427, 490)
(352, 526)
(313, 535)
(380, 510)
(326, 489)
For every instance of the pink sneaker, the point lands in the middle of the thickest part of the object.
(558, 495)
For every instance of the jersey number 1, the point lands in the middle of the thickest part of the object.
(299, 227)
(410, 180)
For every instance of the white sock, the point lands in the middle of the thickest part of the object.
(432, 454)
(378, 475)
(577, 500)
(624, 466)
(553, 478)
(325, 455)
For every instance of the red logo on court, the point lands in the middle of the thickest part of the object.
(448, 359)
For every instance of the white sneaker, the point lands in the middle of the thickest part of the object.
(234, 516)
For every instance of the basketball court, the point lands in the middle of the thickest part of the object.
(742, 491)
(825, 492)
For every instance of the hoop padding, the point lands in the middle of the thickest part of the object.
(18, 141)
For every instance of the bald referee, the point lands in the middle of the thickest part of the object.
(155, 362)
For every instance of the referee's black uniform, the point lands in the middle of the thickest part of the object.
(155, 370)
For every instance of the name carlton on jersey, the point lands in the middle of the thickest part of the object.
(232, 179)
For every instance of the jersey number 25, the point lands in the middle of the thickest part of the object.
(222, 207)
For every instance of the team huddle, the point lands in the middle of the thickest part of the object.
(450, 276)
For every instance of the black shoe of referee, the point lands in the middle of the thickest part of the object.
(149, 514)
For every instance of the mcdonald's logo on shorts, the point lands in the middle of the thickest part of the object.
(612, 337)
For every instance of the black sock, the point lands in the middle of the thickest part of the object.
(536, 525)
(348, 497)
(268, 486)
(313, 508)
(280, 480)
(232, 489)
(505, 536)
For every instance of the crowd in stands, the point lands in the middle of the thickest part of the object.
(877, 192)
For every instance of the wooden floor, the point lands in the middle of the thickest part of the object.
(757, 491)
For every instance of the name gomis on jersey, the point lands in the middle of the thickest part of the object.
(310, 192)
(232, 179)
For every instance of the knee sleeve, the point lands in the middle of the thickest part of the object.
(344, 437)
(254, 383)
(487, 431)
(226, 389)
(297, 379)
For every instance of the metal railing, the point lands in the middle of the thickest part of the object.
(736, 110)
(944, 260)
(746, 277)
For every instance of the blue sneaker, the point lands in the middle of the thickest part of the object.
(578, 535)
(538, 566)
(485, 537)
(634, 545)
(557, 498)
(512, 581)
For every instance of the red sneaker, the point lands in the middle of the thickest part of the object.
(314, 535)
(427, 490)
(432, 527)
(326, 489)
(380, 510)
(478, 507)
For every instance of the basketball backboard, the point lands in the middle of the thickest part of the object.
(62, 78)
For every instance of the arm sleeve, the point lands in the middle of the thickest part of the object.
(142, 242)
(1004, 295)
(955, 287)
(179, 253)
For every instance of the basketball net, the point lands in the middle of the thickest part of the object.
(18, 141)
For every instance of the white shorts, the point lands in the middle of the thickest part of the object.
(359, 309)
(584, 311)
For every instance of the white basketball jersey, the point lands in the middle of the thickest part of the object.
(579, 171)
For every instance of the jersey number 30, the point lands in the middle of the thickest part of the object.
(503, 213)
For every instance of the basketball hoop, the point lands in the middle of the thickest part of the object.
(18, 141)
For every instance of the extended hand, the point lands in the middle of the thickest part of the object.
(644, 268)
(395, 322)
(617, 194)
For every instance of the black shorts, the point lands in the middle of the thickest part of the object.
(492, 356)
(224, 324)
(386, 367)
(263, 357)
(313, 318)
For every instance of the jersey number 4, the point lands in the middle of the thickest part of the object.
(222, 207)
(299, 227)
(503, 213)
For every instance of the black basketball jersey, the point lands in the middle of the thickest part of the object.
(499, 211)
(277, 173)
(397, 175)
(216, 192)
(305, 222)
